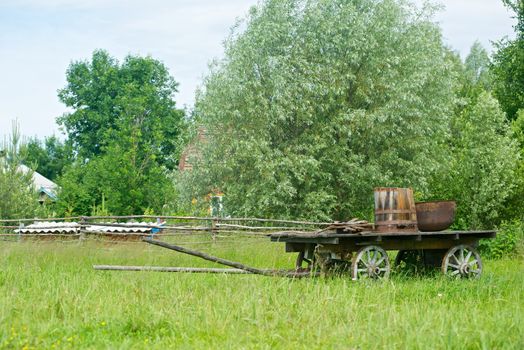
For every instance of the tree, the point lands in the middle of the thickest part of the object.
(508, 73)
(483, 164)
(126, 183)
(317, 102)
(49, 157)
(480, 159)
(107, 96)
(476, 74)
(125, 131)
(508, 66)
(19, 198)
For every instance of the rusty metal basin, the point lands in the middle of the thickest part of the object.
(435, 215)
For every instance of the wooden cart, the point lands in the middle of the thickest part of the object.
(364, 253)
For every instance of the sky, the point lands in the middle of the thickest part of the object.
(40, 38)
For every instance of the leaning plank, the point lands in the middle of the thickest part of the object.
(206, 256)
(168, 269)
(230, 263)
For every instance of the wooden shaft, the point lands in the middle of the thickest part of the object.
(230, 263)
(206, 256)
(168, 269)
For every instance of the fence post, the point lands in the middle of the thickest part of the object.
(82, 237)
(20, 226)
(214, 228)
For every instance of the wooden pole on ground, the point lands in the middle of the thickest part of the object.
(169, 269)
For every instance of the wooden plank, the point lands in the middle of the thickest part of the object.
(309, 239)
(408, 244)
(295, 247)
(284, 237)
(434, 233)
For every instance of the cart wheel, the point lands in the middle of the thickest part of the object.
(370, 262)
(462, 261)
(300, 260)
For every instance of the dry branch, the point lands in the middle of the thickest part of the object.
(351, 226)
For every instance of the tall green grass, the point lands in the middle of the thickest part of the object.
(50, 297)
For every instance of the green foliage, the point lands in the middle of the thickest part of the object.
(100, 210)
(508, 66)
(49, 157)
(514, 205)
(74, 196)
(127, 183)
(109, 98)
(517, 127)
(483, 151)
(517, 6)
(483, 162)
(125, 131)
(18, 196)
(317, 102)
(476, 75)
(509, 241)
(508, 73)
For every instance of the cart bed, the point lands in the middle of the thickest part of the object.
(296, 242)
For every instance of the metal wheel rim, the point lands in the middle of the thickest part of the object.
(462, 261)
(371, 262)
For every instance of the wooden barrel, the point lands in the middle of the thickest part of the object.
(395, 210)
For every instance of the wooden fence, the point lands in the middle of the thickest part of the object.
(114, 227)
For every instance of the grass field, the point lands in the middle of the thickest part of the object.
(50, 297)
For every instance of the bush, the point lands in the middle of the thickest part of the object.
(509, 241)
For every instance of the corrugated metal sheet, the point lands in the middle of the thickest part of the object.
(50, 227)
(131, 227)
(74, 227)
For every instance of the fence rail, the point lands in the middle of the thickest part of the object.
(81, 227)
(166, 217)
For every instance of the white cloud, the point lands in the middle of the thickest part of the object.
(465, 21)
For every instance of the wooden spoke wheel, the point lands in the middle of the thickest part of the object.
(370, 262)
(462, 261)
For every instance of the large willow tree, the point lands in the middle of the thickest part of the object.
(316, 102)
